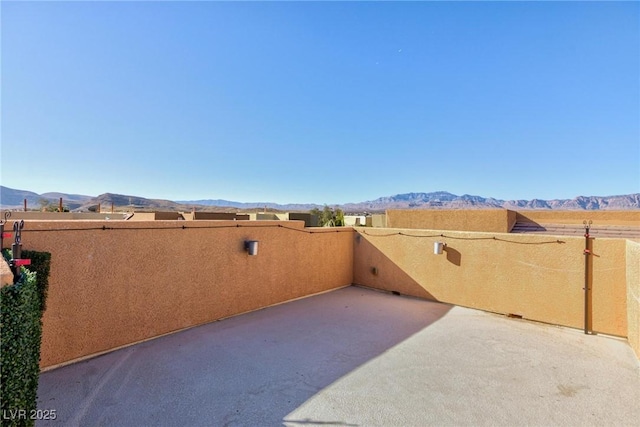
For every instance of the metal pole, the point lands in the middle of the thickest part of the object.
(587, 252)
(16, 250)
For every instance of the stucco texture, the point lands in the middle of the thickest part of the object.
(537, 277)
(633, 295)
(110, 288)
(489, 220)
(114, 287)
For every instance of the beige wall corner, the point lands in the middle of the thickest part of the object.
(511, 219)
(633, 295)
(137, 280)
(537, 277)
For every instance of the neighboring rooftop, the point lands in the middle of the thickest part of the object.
(355, 357)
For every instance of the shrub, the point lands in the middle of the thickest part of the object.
(40, 264)
(21, 307)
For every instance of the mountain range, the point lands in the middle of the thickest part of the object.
(13, 199)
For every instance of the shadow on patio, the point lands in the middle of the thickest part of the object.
(351, 357)
(252, 369)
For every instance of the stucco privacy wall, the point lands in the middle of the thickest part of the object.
(633, 294)
(110, 288)
(523, 275)
(490, 220)
(377, 220)
(631, 217)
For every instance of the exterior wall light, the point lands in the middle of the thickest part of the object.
(251, 246)
(438, 248)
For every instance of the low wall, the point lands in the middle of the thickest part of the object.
(174, 216)
(269, 216)
(522, 275)
(633, 294)
(353, 220)
(490, 220)
(114, 287)
(110, 288)
(153, 216)
(213, 216)
(377, 220)
(310, 220)
(631, 217)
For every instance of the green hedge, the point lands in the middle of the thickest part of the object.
(21, 307)
(40, 264)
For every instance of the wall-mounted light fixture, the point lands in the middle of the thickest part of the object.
(251, 246)
(438, 247)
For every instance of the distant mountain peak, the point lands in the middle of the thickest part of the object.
(12, 199)
(444, 199)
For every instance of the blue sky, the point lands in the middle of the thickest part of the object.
(325, 102)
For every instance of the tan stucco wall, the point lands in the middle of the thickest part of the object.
(271, 217)
(511, 220)
(542, 282)
(631, 217)
(214, 215)
(633, 294)
(377, 220)
(352, 220)
(167, 216)
(110, 288)
(491, 220)
(142, 216)
(152, 216)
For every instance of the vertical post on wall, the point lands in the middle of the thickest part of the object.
(16, 247)
(587, 253)
(16, 251)
(60, 205)
(25, 205)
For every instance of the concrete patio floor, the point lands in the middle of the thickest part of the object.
(354, 357)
